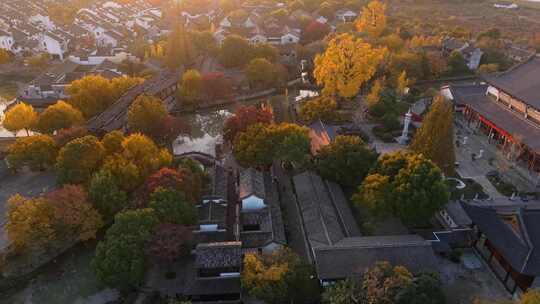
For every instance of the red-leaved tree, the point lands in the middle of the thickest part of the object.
(315, 31)
(182, 180)
(216, 86)
(170, 241)
(244, 117)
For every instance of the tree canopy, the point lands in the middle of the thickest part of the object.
(405, 185)
(120, 261)
(346, 161)
(171, 206)
(346, 65)
(20, 117)
(372, 20)
(61, 115)
(145, 115)
(105, 194)
(235, 51)
(79, 159)
(191, 87)
(279, 278)
(37, 152)
(435, 138)
(261, 144)
(61, 215)
(93, 94)
(323, 108)
(243, 117)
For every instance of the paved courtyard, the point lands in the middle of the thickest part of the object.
(462, 285)
(478, 168)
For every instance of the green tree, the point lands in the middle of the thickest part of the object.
(425, 289)
(204, 42)
(145, 114)
(457, 64)
(265, 51)
(405, 185)
(323, 108)
(191, 87)
(435, 138)
(172, 207)
(253, 148)
(291, 142)
(346, 161)
(260, 144)
(79, 159)
(261, 73)
(235, 51)
(343, 292)
(105, 193)
(61, 115)
(37, 152)
(120, 261)
(20, 117)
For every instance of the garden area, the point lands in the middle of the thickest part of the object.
(505, 188)
(471, 190)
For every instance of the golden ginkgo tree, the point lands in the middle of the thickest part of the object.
(346, 65)
(372, 20)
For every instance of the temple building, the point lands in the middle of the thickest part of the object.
(506, 236)
(506, 107)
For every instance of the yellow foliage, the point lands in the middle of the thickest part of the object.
(5, 56)
(375, 94)
(260, 270)
(402, 83)
(29, 222)
(372, 20)
(144, 153)
(20, 117)
(346, 65)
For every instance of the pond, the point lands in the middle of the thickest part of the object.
(205, 132)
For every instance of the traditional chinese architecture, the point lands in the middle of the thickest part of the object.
(162, 86)
(507, 238)
(507, 109)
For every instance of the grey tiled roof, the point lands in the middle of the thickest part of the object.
(213, 286)
(321, 221)
(218, 255)
(520, 246)
(522, 82)
(251, 183)
(502, 117)
(353, 256)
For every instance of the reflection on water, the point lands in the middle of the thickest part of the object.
(206, 129)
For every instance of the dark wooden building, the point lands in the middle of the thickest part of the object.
(507, 109)
(508, 238)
